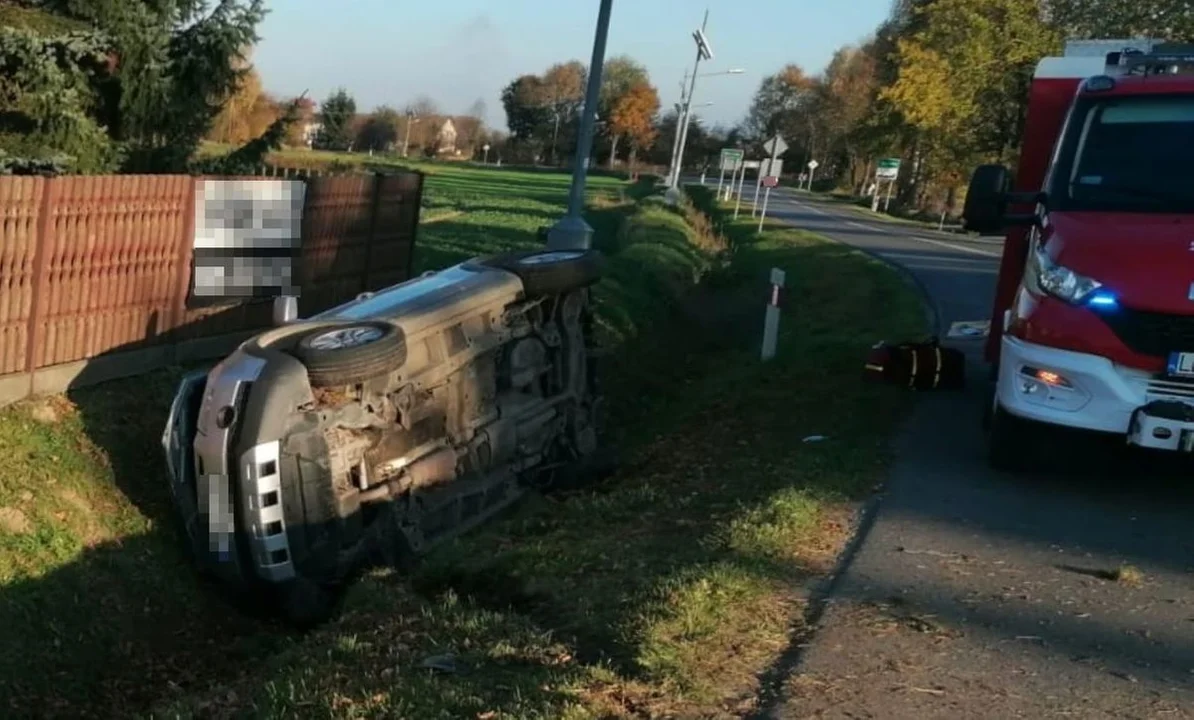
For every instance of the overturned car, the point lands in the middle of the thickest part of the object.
(371, 431)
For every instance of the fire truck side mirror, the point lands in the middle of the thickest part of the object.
(987, 200)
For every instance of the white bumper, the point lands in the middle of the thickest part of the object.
(1100, 396)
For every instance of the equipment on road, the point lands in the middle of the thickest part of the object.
(1093, 321)
(923, 365)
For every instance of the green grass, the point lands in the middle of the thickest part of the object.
(666, 589)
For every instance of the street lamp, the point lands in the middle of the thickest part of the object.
(571, 232)
(704, 52)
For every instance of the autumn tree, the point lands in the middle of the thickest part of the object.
(246, 114)
(1164, 19)
(633, 117)
(784, 103)
(336, 119)
(563, 95)
(963, 78)
(845, 100)
(619, 75)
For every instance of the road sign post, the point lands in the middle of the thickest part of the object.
(729, 160)
(768, 182)
(741, 182)
(771, 315)
(887, 170)
(767, 168)
(812, 170)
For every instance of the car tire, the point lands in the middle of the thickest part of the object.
(1011, 442)
(351, 353)
(552, 272)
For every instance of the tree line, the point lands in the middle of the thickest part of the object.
(543, 113)
(941, 84)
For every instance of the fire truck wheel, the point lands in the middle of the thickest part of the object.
(1011, 444)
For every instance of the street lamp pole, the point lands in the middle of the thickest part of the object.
(703, 53)
(571, 231)
(681, 113)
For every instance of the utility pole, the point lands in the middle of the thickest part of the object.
(410, 120)
(571, 232)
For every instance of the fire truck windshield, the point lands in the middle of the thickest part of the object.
(1127, 154)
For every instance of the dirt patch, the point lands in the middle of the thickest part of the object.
(50, 410)
(14, 522)
(91, 531)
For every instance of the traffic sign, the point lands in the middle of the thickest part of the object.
(813, 164)
(775, 146)
(888, 169)
(770, 181)
(772, 167)
(731, 158)
(753, 164)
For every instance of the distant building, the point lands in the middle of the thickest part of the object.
(310, 130)
(445, 139)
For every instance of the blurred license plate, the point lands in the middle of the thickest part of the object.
(1181, 364)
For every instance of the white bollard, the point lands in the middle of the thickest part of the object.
(771, 315)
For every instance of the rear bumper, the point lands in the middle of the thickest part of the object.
(1096, 394)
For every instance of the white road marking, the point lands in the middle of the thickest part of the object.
(940, 243)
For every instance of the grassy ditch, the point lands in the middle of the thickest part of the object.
(670, 588)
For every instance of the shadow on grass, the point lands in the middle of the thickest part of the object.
(102, 613)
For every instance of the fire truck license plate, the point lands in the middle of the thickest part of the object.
(1181, 364)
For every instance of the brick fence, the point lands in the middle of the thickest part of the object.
(95, 271)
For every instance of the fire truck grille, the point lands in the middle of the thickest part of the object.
(1151, 333)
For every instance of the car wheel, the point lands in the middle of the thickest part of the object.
(351, 353)
(1011, 443)
(552, 272)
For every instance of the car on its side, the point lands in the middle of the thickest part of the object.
(376, 429)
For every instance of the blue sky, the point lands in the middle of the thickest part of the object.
(456, 51)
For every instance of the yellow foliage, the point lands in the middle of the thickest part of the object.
(246, 114)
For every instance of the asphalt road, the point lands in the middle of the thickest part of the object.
(973, 594)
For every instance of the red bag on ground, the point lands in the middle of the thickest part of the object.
(920, 365)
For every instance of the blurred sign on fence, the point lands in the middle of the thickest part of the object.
(247, 239)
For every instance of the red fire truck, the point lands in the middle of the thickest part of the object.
(1093, 322)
